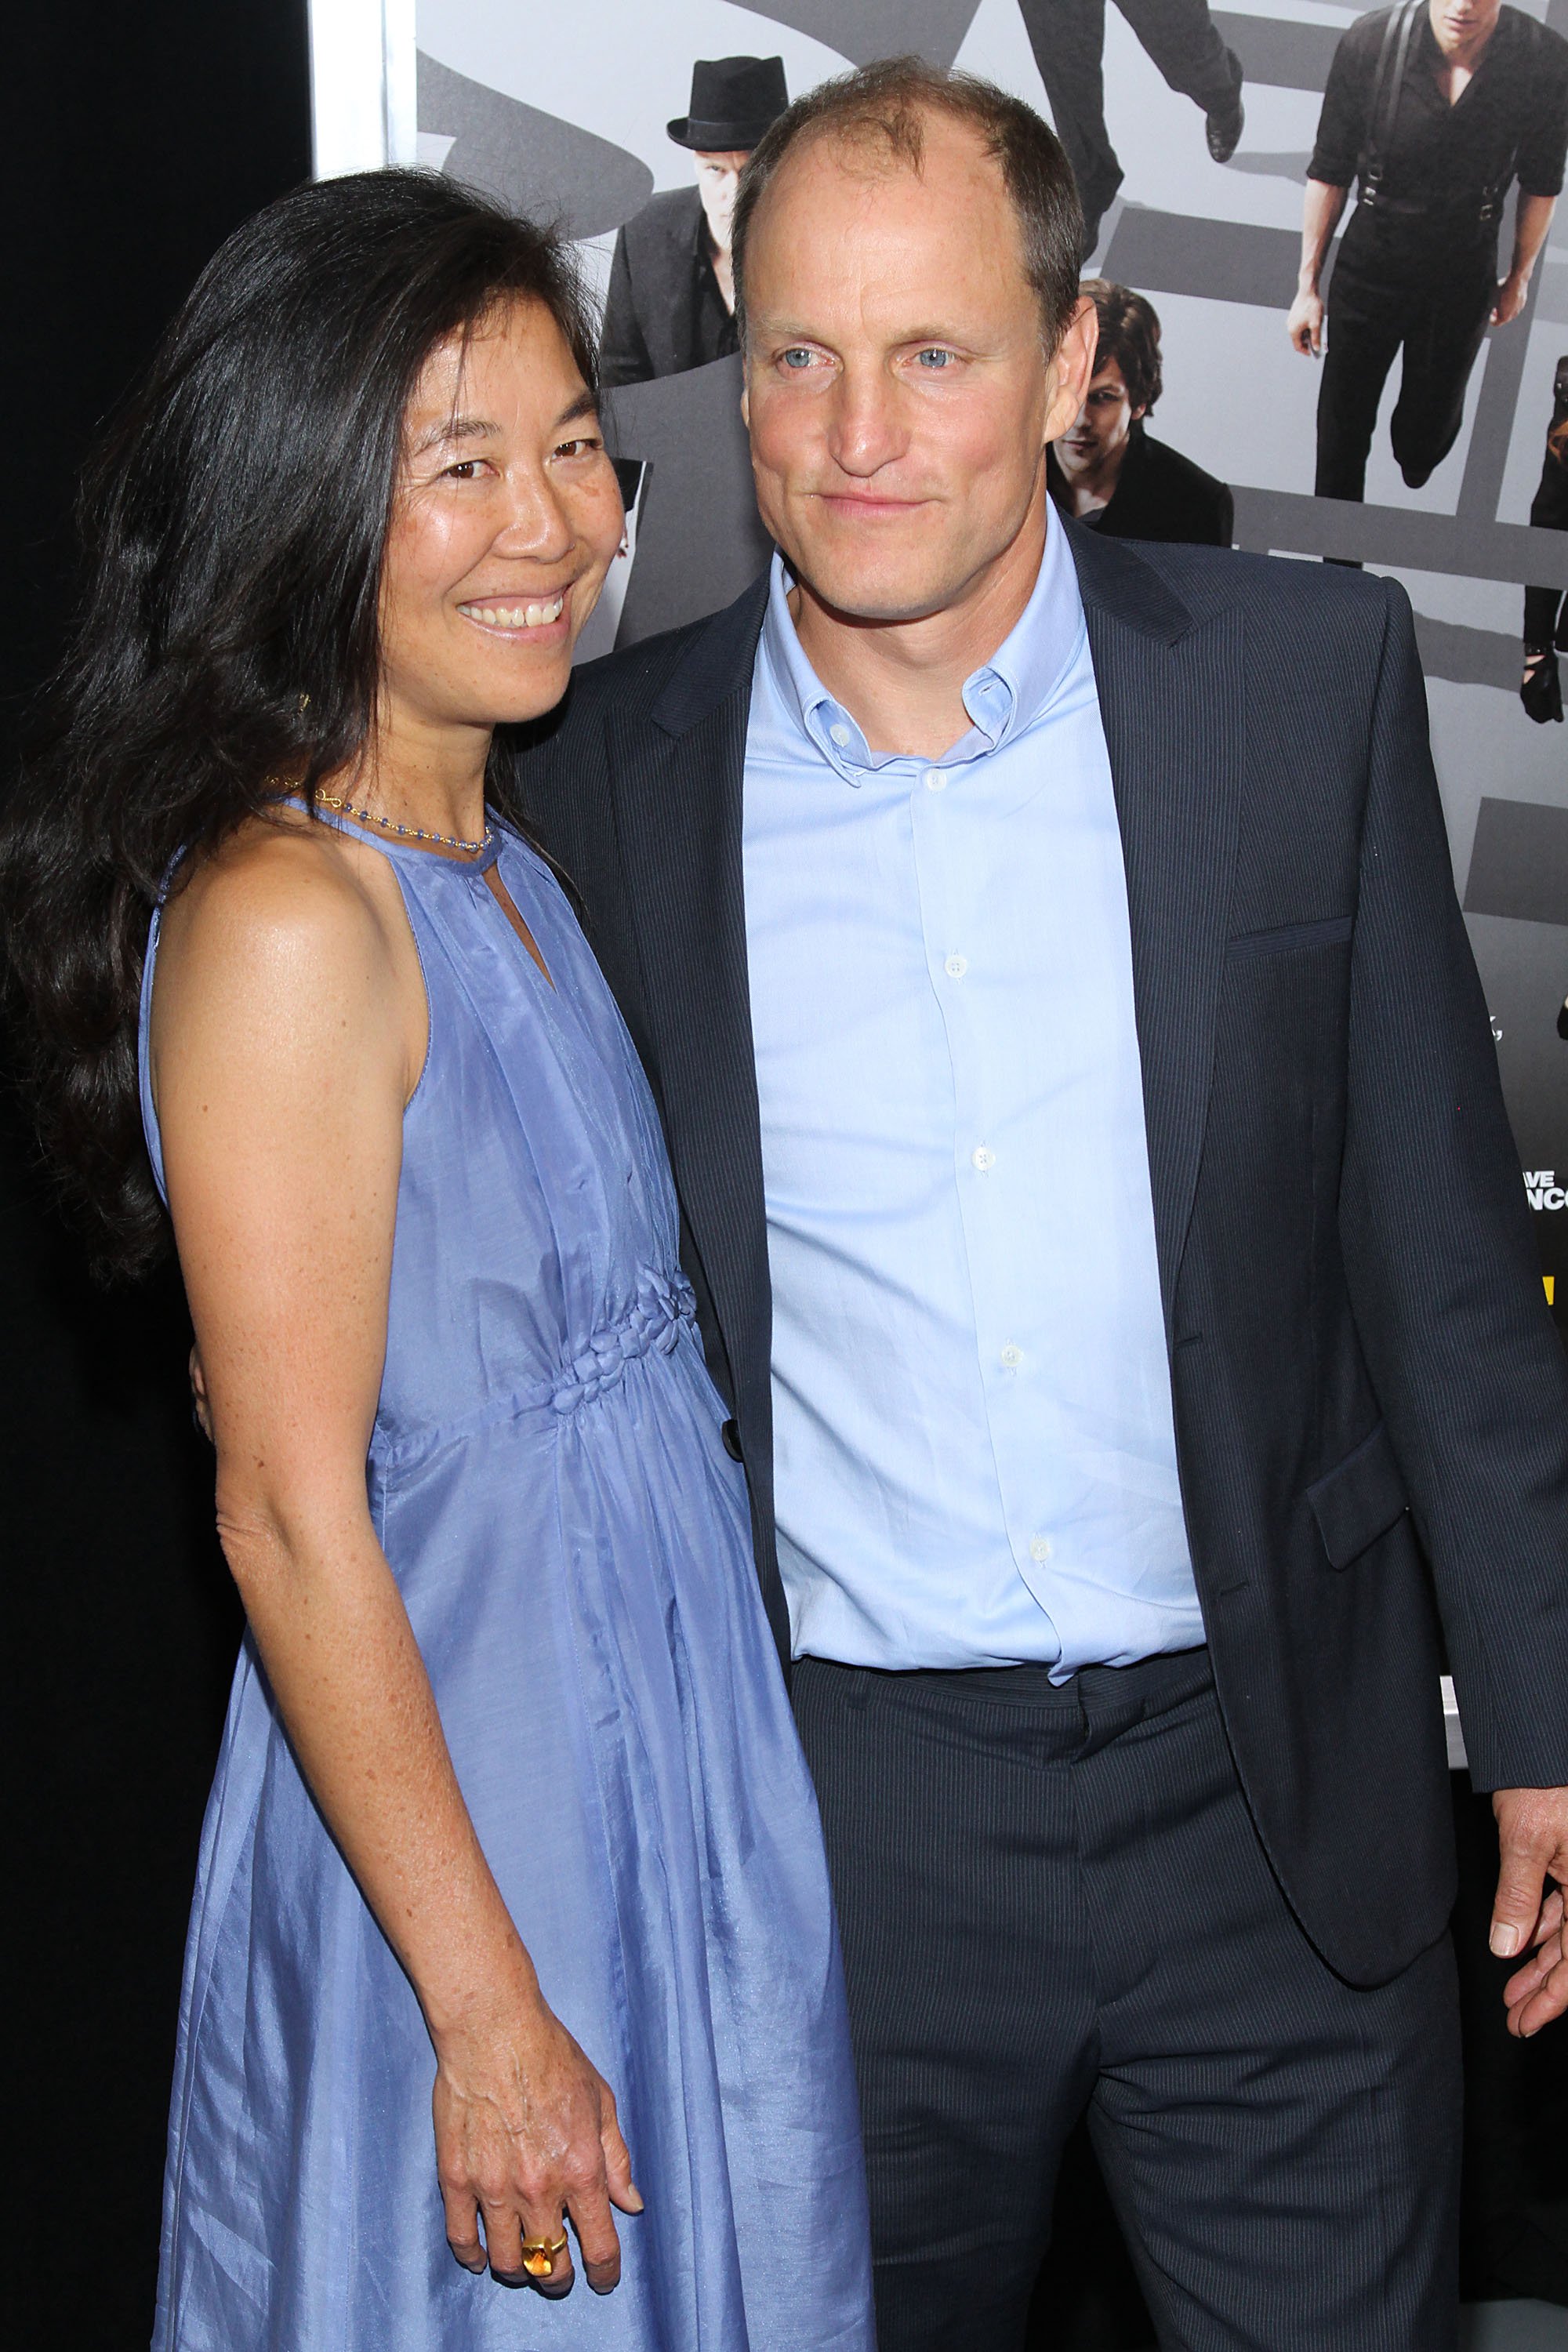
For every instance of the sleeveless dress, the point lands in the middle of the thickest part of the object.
(573, 1544)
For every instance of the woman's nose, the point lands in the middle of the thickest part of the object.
(537, 523)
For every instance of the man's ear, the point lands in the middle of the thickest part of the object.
(1072, 367)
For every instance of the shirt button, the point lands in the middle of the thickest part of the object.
(840, 735)
(983, 1157)
(956, 966)
(1040, 1547)
(935, 781)
(730, 1439)
(1012, 1358)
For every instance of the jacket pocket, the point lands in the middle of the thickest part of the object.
(1359, 1499)
(1293, 939)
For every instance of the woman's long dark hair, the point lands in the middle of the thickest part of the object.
(233, 523)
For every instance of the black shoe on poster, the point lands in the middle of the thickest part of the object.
(1224, 123)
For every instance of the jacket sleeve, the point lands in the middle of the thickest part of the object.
(1545, 137)
(1444, 1273)
(624, 356)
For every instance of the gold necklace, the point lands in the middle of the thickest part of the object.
(407, 832)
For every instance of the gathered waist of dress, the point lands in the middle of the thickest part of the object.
(664, 1304)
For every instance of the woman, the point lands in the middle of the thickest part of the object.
(510, 1812)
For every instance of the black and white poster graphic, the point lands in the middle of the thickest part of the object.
(1191, 130)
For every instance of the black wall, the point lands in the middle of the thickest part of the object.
(138, 138)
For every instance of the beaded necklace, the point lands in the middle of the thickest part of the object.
(407, 832)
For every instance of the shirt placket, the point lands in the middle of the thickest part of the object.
(988, 1188)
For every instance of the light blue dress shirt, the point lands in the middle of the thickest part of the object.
(975, 1456)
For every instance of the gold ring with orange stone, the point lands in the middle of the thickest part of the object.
(539, 2255)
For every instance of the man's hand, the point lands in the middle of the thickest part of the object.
(1528, 1915)
(1305, 324)
(1509, 301)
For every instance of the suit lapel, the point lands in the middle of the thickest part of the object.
(678, 786)
(1171, 690)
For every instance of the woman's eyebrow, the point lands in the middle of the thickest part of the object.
(478, 428)
(455, 428)
(583, 405)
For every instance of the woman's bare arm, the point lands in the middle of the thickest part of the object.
(285, 1044)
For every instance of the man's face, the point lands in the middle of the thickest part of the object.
(897, 391)
(718, 174)
(1460, 24)
(1101, 425)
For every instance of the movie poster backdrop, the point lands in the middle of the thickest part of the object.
(565, 112)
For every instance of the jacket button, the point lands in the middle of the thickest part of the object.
(730, 1438)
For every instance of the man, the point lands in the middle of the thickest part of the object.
(1098, 1192)
(1106, 470)
(670, 305)
(1068, 37)
(1434, 108)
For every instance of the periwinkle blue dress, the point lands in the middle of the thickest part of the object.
(573, 1544)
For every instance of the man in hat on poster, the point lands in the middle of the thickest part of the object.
(671, 302)
(1436, 108)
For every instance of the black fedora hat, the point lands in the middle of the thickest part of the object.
(733, 99)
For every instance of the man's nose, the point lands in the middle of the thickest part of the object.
(865, 433)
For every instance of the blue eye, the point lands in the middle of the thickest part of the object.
(797, 359)
(937, 358)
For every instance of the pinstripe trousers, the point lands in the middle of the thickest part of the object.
(1054, 1899)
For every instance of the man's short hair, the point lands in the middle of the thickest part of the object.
(1129, 334)
(882, 106)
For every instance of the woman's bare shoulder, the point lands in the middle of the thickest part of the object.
(285, 883)
(294, 927)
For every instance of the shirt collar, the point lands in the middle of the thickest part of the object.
(1430, 56)
(1003, 697)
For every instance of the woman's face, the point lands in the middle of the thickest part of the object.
(504, 521)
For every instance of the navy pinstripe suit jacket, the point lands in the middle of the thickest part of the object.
(1371, 1399)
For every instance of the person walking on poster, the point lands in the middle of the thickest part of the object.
(671, 300)
(1546, 609)
(1068, 37)
(1433, 110)
(1106, 470)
